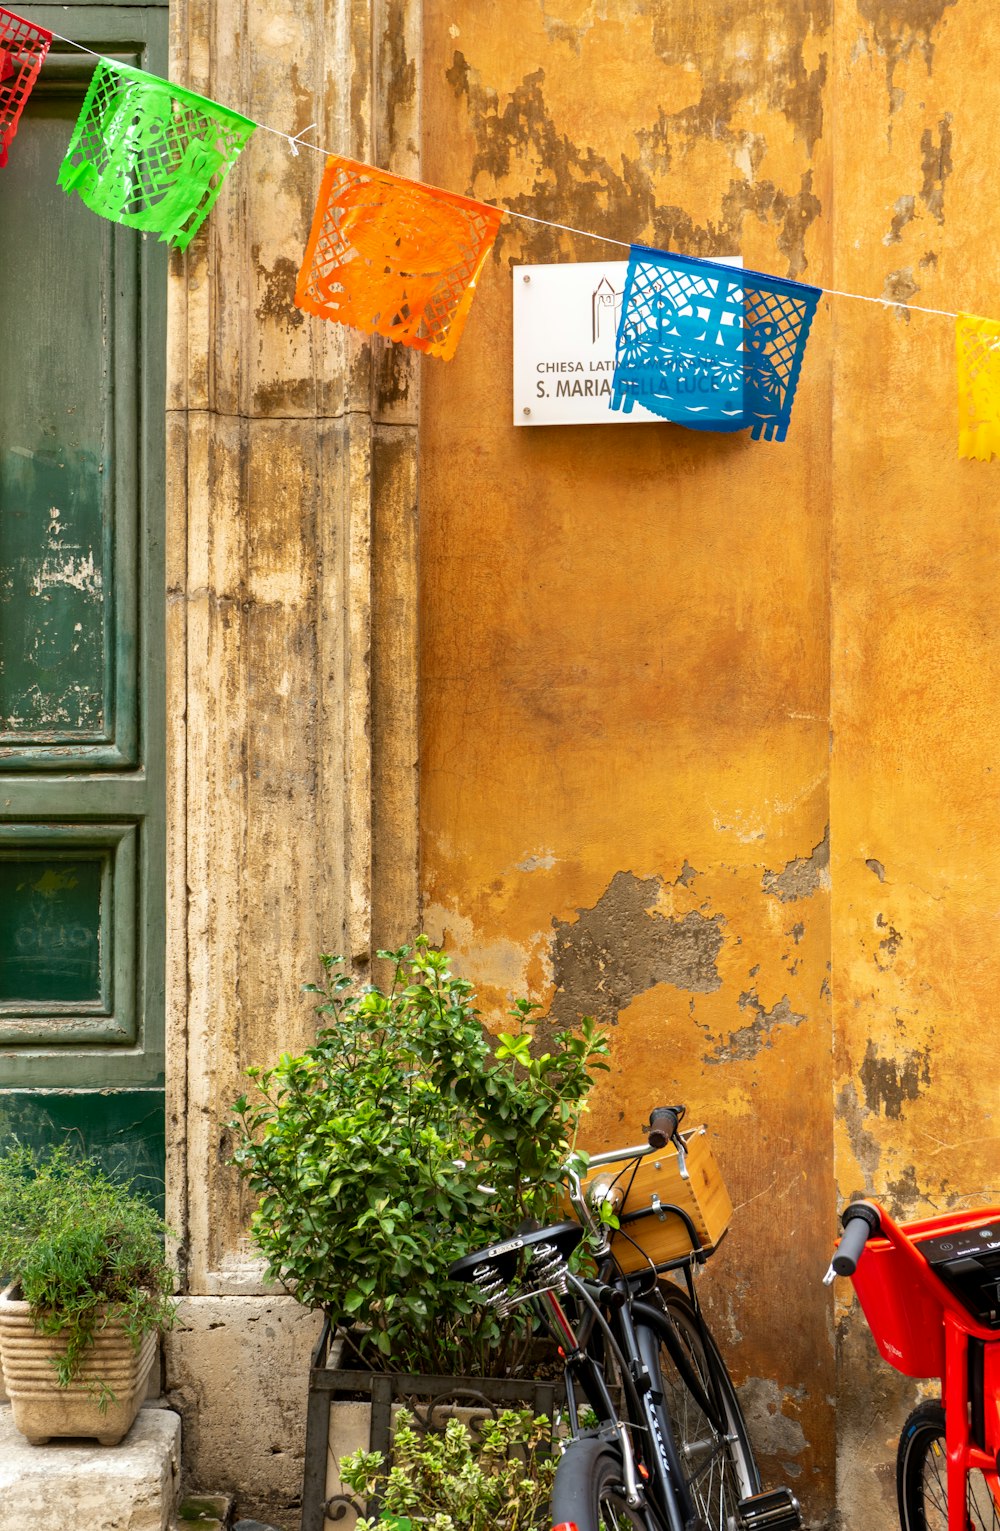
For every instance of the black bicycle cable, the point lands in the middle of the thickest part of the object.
(628, 1380)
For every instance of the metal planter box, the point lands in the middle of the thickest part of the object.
(329, 1385)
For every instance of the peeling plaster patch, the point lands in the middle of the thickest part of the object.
(890, 945)
(501, 963)
(540, 863)
(888, 1082)
(905, 207)
(686, 875)
(621, 948)
(900, 287)
(866, 1147)
(749, 1040)
(876, 867)
(937, 167)
(772, 1431)
(904, 1195)
(75, 574)
(898, 28)
(802, 877)
(745, 834)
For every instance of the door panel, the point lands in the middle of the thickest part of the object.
(69, 450)
(82, 334)
(67, 934)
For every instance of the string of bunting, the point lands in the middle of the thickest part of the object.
(704, 345)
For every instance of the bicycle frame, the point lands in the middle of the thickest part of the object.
(922, 1329)
(606, 1304)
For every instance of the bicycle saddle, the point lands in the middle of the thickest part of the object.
(505, 1256)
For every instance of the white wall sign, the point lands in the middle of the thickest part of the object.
(565, 323)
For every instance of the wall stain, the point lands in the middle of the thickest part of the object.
(747, 59)
(578, 185)
(904, 1195)
(275, 398)
(936, 164)
(905, 208)
(749, 1040)
(399, 78)
(393, 372)
(936, 167)
(621, 948)
(803, 876)
(278, 300)
(899, 26)
(900, 287)
(888, 1082)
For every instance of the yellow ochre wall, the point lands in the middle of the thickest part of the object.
(708, 726)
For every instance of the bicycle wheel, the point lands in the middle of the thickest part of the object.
(589, 1492)
(714, 1450)
(922, 1478)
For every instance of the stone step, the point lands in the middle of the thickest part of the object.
(87, 1487)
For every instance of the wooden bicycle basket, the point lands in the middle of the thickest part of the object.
(650, 1231)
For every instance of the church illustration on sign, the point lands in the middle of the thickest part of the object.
(606, 308)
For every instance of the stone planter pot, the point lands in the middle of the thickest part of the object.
(41, 1408)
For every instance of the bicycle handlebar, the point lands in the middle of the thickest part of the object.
(663, 1124)
(861, 1222)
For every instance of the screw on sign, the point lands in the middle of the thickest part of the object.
(23, 47)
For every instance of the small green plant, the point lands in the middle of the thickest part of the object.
(81, 1250)
(500, 1481)
(405, 1137)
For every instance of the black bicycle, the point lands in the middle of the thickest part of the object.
(654, 1434)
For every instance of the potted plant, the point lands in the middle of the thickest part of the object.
(405, 1136)
(87, 1295)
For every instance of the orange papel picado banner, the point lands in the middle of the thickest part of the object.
(394, 258)
(977, 348)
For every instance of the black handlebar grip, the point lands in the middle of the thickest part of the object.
(663, 1125)
(861, 1222)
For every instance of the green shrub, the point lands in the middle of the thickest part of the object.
(81, 1249)
(500, 1481)
(405, 1137)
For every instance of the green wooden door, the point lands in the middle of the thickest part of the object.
(82, 361)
